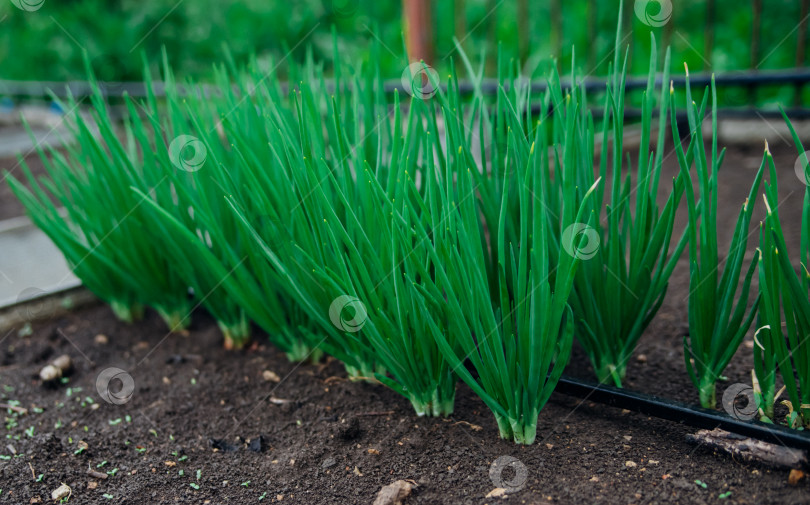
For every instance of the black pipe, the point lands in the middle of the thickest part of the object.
(488, 86)
(697, 417)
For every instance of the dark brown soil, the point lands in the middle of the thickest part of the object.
(330, 441)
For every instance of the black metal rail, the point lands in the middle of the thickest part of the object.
(669, 410)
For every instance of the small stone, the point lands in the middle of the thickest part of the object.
(58, 368)
(328, 463)
(394, 493)
(167, 381)
(62, 491)
(357, 472)
(549, 446)
(50, 373)
(170, 463)
(795, 477)
(35, 499)
(92, 484)
(641, 358)
(628, 438)
(630, 464)
(279, 497)
(271, 376)
(594, 479)
(653, 462)
(498, 492)
(101, 339)
(374, 451)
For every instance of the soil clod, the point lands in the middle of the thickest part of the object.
(394, 493)
(222, 445)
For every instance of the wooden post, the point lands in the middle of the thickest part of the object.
(419, 30)
(708, 33)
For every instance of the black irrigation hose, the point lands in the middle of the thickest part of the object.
(488, 86)
(669, 410)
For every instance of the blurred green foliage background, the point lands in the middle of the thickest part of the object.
(47, 44)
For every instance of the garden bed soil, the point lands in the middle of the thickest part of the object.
(331, 441)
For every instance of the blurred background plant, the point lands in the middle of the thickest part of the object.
(717, 35)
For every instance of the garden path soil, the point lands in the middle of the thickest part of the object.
(330, 441)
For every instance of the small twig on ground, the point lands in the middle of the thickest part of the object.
(33, 473)
(472, 426)
(96, 474)
(19, 410)
(750, 450)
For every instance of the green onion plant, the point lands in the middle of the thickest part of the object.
(104, 233)
(347, 247)
(716, 324)
(627, 264)
(782, 342)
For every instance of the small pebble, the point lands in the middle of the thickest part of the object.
(271, 376)
(641, 358)
(498, 492)
(101, 339)
(630, 464)
(62, 491)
